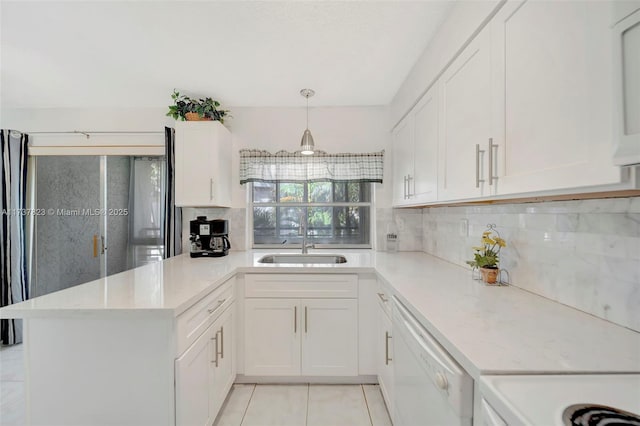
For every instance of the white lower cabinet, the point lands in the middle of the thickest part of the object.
(205, 372)
(272, 337)
(309, 337)
(194, 376)
(384, 355)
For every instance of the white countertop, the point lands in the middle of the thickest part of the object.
(487, 329)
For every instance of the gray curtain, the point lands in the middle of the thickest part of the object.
(172, 214)
(14, 284)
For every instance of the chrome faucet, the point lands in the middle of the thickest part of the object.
(303, 227)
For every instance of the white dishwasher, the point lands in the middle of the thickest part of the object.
(430, 387)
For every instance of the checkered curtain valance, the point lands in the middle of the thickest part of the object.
(263, 166)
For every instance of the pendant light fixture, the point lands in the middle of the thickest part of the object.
(306, 144)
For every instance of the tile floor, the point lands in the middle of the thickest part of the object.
(12, 406)
(246, 405)
(299, 405)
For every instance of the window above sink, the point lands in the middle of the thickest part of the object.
(338, 214)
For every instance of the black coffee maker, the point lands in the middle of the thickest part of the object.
(209, 238)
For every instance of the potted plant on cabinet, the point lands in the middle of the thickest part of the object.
(186, 108)
(486, 257)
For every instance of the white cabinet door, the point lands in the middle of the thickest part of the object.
(626, 69)
(272, 337)
(424, 185)
(402, 161)
(330, 337)
(194, 379)
(465, 121)
(384, 354)
(202, 164)
(553, 103)
(224, 361)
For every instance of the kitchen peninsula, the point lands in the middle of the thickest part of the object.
(114, 342)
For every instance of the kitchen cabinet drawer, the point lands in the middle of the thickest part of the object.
(301, 285)
(197, 318)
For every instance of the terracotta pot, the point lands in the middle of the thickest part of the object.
(194, 116)
(489, 275)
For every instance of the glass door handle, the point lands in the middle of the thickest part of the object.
(95, 245)
(103, 247)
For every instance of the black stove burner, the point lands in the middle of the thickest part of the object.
(598, 415)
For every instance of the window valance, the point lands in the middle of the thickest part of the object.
(283, 166)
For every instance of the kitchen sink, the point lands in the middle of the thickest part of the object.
(303, 258)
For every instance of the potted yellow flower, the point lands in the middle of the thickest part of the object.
(486, 256)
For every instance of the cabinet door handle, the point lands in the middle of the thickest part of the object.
(221, 353)
(295, 319)
(211, 189)
(215, 350)
(386, 348)
(404, 187)
(478, 180)
(381, 296)
(306, 319)
(492, 147)
(409, 193)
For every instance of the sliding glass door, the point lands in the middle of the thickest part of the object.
(100, 215)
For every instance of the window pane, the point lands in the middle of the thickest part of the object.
(291, 192)
(264, 224)
(264, 192)
(320, 192)
(289, 221)
(340, 192)
(358, 192)
(320, 221)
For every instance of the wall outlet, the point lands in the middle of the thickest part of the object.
(464, 228)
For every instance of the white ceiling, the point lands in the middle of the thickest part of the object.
(243, 53)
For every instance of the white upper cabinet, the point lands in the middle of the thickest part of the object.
(416, 153)
(626, 67)
(402, 160)
(202, 164)
(553, 98)
(465, 122)
(424, 185)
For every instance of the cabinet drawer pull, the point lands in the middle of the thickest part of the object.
(220, 302)
(295, 319)
(381, 296)
(386, 348)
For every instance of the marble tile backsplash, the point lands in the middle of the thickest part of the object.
(585, 254)
(405, 223)
(237, 218)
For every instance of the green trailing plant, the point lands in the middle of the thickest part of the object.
(206, 108)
